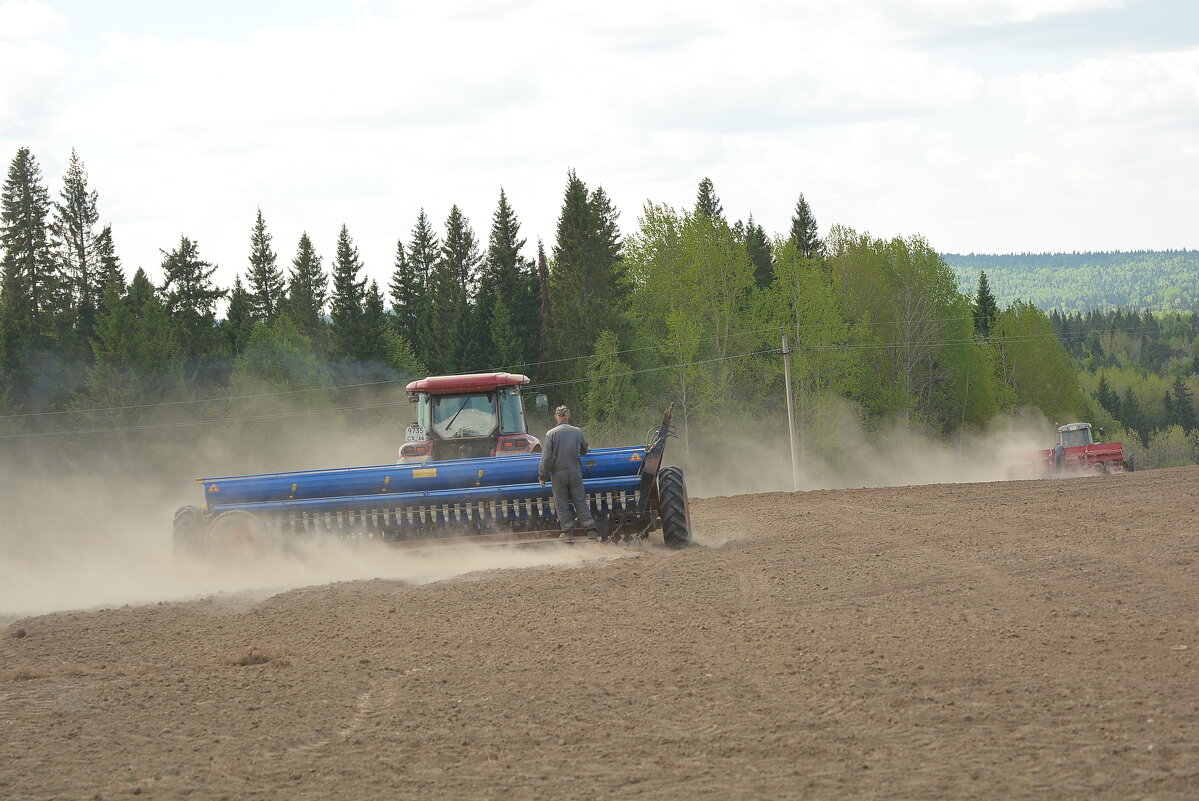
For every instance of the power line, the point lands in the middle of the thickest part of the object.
(190, 423)
(799, 347)
(281, 393)
(281, 415)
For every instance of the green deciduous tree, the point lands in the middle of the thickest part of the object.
(1035, 364)
(904, 295)
(399, 355)
(609, 390)
(276, 357)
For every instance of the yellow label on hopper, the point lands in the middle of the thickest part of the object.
(425, 472)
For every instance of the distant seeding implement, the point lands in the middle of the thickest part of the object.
(1077, 453)
(467, 473)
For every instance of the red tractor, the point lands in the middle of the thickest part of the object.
(467, 416)
(1076, 453)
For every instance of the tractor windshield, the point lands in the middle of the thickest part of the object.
(462, 416)
(1074, 439)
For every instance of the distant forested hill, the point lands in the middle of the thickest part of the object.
(1080, 282)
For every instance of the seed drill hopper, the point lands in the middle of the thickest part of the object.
(494, 499)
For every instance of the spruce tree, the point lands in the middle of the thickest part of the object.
(346, 304)
(1184, 408)
(264, 277)
(1133, 414)
(307, 293)
(240, 318)
(508, 274)
(112, 344)
(373, 341)
(30, 285)
(804, 233)
(1103, 394)
(706, 201)
(136, 357)
(985, 308)
(107, 259)
(460, 251)
(407, 294)
(760, 253)
(454, 332)
(140, 291)
(75, 242)
(505, 342)
(543, 305)
(423, 250)
(191, 298)
(588, 292)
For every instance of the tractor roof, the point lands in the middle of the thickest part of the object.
(1074, 427)
(471, 382)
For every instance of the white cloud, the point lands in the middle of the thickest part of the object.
(27, 19)
(366, 118)
(30, 68)
(991, 12)
(1141, 88)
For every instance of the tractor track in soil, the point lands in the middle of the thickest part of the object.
(1032, 639)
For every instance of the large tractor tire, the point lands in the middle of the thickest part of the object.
(673, 508)
(188, 532)
(240, 535)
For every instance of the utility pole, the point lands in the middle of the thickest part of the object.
(790, 415)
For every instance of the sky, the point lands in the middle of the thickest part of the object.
(986, 126)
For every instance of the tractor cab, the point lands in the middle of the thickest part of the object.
(465, 417)
(1075, 435)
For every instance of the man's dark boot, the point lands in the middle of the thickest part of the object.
(593, 535)
(568, 537)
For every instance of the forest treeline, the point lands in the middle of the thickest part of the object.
(687, 308)
(1163, 280)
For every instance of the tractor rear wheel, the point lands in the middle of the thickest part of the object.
(188, 532)
(240, 535)
(673, 508)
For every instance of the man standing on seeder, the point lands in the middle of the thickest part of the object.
(560, 465)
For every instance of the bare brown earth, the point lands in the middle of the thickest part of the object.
(1010, 640)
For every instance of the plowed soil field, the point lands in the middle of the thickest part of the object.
(1012, 640)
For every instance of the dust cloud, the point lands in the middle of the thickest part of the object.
(85, 521)
(837, 452)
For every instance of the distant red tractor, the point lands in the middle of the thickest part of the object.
(1076, 453)
(466, 417)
